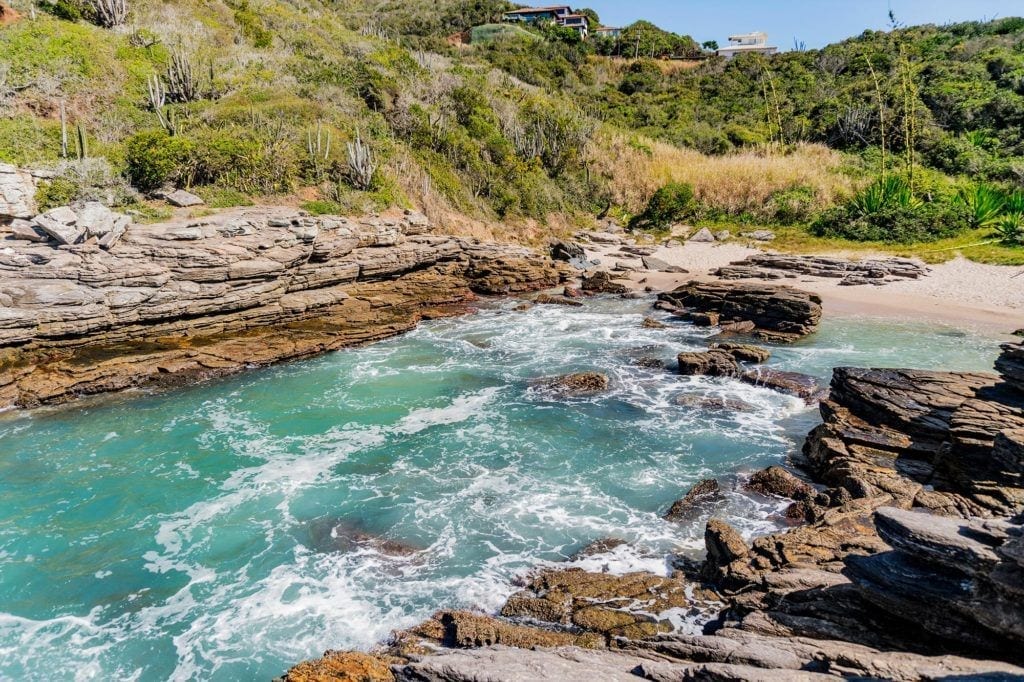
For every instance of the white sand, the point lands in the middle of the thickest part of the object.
(958, 292)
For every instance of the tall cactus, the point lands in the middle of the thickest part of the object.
(83, 143)
(182, 84)
(362, 164)
(109, 13)
(319, 151)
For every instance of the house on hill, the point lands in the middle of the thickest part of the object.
(745, 43)
(607, 32)
(562, 15)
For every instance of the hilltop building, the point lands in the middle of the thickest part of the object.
(607, 32)
(561, 15)
(744, 43)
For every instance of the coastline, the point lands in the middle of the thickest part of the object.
(984, 298)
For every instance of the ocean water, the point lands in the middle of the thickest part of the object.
(228, 530)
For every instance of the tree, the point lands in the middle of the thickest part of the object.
(591, 15)
(710, 45)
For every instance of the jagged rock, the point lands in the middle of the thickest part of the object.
(793, 383)
(744, 352)
(777, 481)
(778, 313)
(712, 363)
(567, 251)
(25, 230)
(651, 323)
(601, 282)
(572, 292)
(725, 546)
(158, 311)
(17, 192)
(723, 235)
(702, 235)
(638, 250)
(1011, 364)
(946, 576)
(602, 546)
(699, 497)
(548, 299)
(631, 605)
(581, 383)
(702, 319)
(733, 654)
(61, 224)
(341, 666)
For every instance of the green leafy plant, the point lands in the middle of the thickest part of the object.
(885, 193)
(669, 204)
(985, 203)
(1010, 228)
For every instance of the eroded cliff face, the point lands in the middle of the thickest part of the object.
(175, 302)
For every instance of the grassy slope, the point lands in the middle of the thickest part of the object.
(448, 128)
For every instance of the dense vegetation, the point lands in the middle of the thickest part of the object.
(368, 103)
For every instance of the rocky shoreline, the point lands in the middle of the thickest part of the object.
(907, 562)
(172, 303)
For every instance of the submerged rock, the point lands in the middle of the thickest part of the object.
(548, 299)
(580, 383)
(340, 535)
(712, 403)
(793, 383)
(777, 481)
(651, 323)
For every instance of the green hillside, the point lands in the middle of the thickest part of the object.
(254, 100)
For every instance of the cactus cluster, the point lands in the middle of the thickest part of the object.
(362, 164)
(109, 13)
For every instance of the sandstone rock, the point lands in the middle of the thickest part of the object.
(567, 251)
(548, 299)
(341, 666)
(702, 319)
(658, 265)
(759, 235)
(183, 199)
(17, 192)
(851, 272)
(602, 546)
(778, 313)
(25, 230)
(724, 546)
(744, 352)
(713, 363)
(61, 224)
(601, 282)
(651, 323)
(699, 498)
(582, 383)
(702, 235)
(777, 481)
(723, 235)
(158, 311)
(1011, 364)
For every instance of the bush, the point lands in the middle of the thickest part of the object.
(85, 180)
(62, 9)
(670, 204)
(895, 222)
(985, 203)
(154, 159)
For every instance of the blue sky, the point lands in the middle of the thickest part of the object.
(815, 22)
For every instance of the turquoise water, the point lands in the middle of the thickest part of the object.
(228, 530)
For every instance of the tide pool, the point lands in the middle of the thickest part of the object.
(228, 530)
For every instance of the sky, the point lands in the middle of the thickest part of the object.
(814, 22)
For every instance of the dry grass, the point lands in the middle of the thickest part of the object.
(735, 183)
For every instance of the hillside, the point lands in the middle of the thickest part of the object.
(245, 101)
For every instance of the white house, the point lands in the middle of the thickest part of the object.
(743, 43)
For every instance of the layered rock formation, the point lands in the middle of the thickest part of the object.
(773, 313)
(174, 302)
(850, 272)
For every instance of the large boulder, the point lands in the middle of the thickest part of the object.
(778, 313)
(699, 498)
(712, 363)
(601, 282)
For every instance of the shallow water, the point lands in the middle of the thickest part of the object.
(221, 532)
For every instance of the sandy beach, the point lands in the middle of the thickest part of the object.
(959, 292)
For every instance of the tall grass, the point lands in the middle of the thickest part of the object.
(735, 184)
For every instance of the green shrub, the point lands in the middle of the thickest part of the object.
(85, 180)
(669, 204)
(1010, 227)
(56, 192)
(153, 159)
(890, 192)
(62, 9)
(895, 222)
(224, 197)
(985, 203)
(792, 206)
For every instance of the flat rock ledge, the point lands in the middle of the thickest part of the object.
(908, 565)
(770, 266)
(175, 302)
(773, 313)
